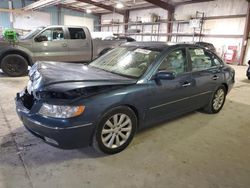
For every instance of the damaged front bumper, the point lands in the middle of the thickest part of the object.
(63, 133)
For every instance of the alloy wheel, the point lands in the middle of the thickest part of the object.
(116, 130)
(218, 100)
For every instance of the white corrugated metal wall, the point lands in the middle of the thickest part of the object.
(229, 26)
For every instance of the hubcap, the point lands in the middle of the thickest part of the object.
(218, 99)
(116, 130)
(13, 65)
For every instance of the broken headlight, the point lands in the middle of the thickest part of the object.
(60, 111)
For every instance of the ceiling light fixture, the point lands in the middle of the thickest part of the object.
(88, 11)
(119, 5)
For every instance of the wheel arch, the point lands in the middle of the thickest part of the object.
(135, 110)
(131, 107)
(18, 52)
(226, 86)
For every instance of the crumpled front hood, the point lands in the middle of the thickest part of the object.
(58, 76)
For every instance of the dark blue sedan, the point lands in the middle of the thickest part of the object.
(131, 87)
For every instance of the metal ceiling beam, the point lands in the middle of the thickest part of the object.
(70, 8)
(191, 2)
(162, 4)
(41, 4)
(74, 9)
(103, 6)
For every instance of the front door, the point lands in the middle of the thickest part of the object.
(51, 45)
(171, 97)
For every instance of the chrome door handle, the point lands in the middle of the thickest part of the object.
(215, 77)
(64, 45)
(186, 84)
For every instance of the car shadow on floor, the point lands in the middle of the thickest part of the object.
(30, 149)
(6, 76)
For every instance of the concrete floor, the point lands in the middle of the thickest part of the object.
(196, 150)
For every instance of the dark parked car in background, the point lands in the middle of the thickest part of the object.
(248, 70)
(128, 39)
(207, 46)
(128, 88)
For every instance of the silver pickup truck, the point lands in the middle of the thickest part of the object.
(52, 43)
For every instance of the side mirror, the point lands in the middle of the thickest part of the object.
(165, 75)
(41, 38)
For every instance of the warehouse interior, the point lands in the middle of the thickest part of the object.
(193, 150)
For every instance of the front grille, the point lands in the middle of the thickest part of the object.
(28, 100)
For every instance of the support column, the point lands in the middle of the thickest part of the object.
(99, 22)
(59, 15)
(11, 13)
(170, 25)
(125, 20)
(245, 36)
(23, 3)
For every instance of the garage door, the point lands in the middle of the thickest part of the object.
(79, 21)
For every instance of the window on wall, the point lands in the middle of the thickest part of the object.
(77, 33)
(175, 62)
(53, 34)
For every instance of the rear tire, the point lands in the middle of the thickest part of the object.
(248, 77)
(115, 131)
(14, 65)
(217, 101)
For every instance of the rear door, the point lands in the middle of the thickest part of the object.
(53, 47)
(206, 74)
(80, 45)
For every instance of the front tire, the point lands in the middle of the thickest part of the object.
(14, 65)
(217, 101)
(115, 130)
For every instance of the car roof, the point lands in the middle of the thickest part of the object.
(158, 46)
(74, 26)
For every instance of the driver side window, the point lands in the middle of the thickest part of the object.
(53, 34)
(175, 62)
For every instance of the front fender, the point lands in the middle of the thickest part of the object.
(17, 50)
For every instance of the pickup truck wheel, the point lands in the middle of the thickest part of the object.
(115, 130)
(14, 65)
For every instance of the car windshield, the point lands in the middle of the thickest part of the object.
(126, 62)
(32, 33)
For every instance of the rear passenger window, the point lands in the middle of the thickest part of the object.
(200, 59)
(77, 33)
